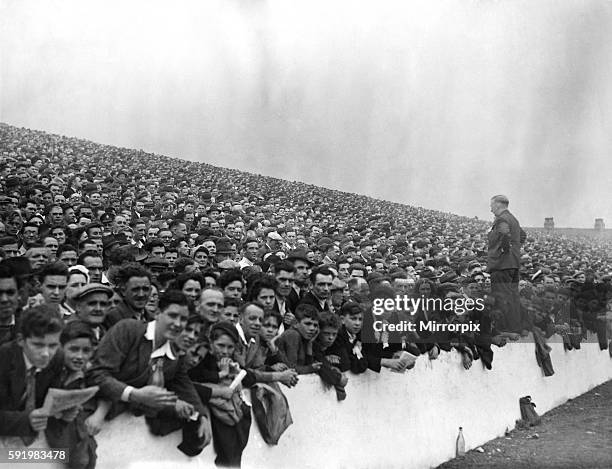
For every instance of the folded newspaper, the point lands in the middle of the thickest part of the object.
(59, 400)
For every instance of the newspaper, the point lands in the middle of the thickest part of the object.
(59, 400)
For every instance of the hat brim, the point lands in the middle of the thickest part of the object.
(299, 258)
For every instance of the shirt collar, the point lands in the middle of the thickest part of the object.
(320, 301)
(10, 323)
(165, 349)
(28, 363)
(243, 336)
(67, 309)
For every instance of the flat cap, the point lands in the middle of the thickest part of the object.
(93, 288)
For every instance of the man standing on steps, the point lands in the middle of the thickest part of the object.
(503, 262)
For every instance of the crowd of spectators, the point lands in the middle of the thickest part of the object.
(166, 282)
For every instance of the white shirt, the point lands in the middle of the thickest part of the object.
(281, 306)
(11, 322)
(243, 336)
(66, 310)
(164, 350)
(28, 363)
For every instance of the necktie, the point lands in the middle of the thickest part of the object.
(30, 401)
(157, 375)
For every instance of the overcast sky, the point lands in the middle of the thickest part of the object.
(440, 104)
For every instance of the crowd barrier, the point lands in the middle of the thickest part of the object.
(388, 420)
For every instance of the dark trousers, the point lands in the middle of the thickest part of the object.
(230, 440)
(166, 422)
(504, 287)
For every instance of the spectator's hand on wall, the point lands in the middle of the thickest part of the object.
(93, 424)
(280, 366)
(153, 396)
(205, 431)
(289, 378)
(183, 409)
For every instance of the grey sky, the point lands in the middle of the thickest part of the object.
(435, 103)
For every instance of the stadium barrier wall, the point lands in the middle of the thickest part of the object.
(388, 420)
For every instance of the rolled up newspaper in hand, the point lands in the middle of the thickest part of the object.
(238, 379)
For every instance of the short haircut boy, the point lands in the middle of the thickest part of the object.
(55, 268)
(351, 308)
(327, 319)
(77, 330)
(305, 310)
(230, 276)
(40, 321)
(172, 297)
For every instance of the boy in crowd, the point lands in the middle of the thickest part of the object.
(230, 310)
(347, 346)
(28, 368)
(296, 343)
(329, 325)
(53, 280)
(271, 324)
(270, 327)
(77, 346)
(189, 342)
(136, 366)
(231, 283)
(190, 334)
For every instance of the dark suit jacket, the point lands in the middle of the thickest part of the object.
(310, 299)
(293, 299)
(14, 420)
(122, 358)
(8, 333)
(295, 349)
(288, 308)
(122, 311)
(505, 239)
(344, 349)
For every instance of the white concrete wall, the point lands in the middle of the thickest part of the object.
(388, 420)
